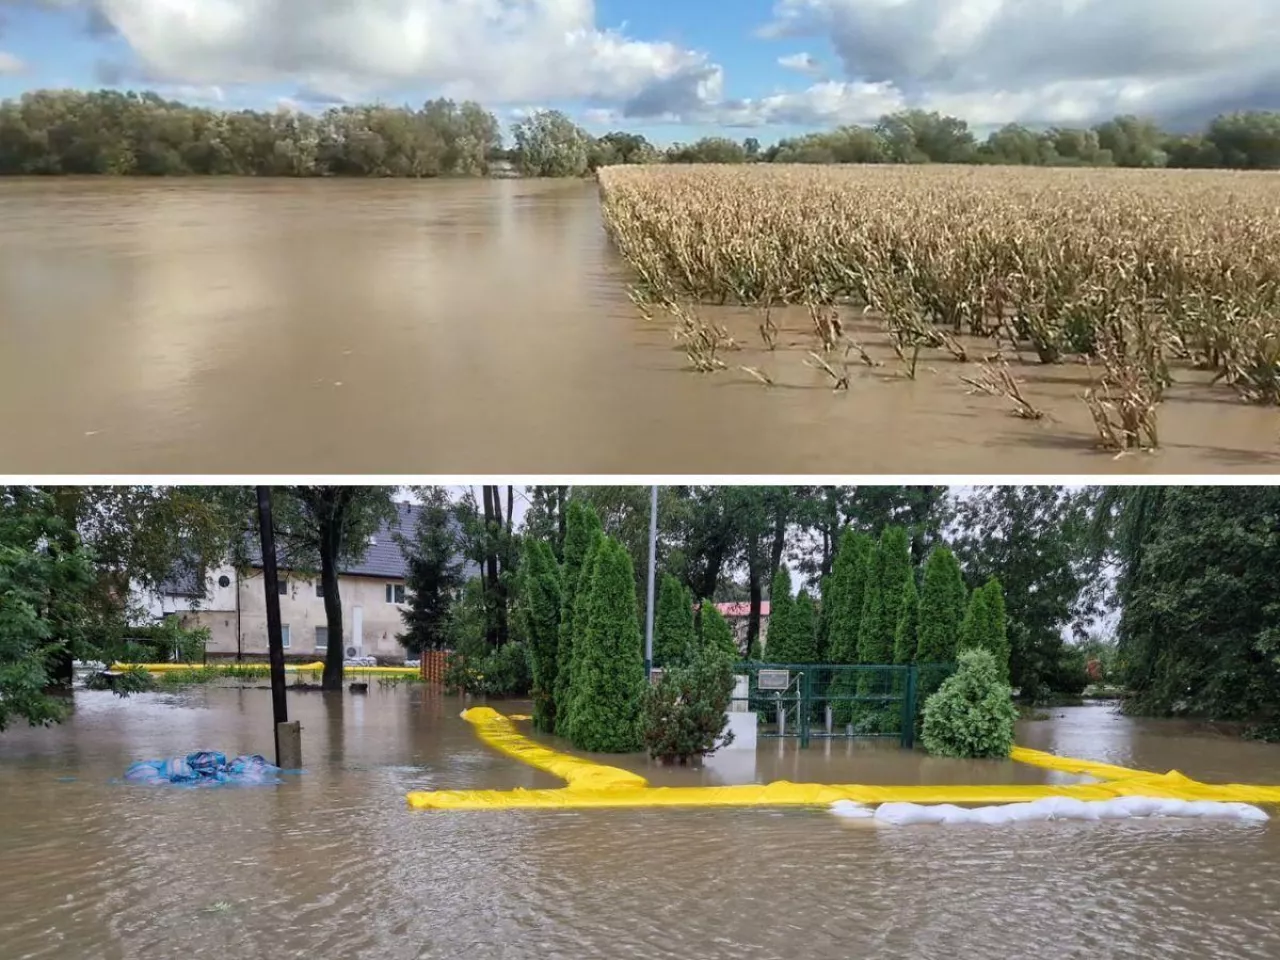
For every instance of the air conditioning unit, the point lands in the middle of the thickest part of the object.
(353, 652)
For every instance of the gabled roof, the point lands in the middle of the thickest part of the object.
(382, 558)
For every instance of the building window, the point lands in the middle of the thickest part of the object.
(282, 587)
(320, 589)
(395, 593)
(284, 635)
(322, 638)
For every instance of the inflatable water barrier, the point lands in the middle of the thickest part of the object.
(589, 784)
(317, 667)
(1048, 808)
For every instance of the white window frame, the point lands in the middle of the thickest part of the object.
(286, 635)
(391, 593)
(325, 645)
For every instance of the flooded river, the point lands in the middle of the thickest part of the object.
(333, 864)
(455, 327)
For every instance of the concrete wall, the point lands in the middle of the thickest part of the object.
(302, 611)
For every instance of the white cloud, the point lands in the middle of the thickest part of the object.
(498, 51)
(1065, 61)
(801, 63)
(10, 65)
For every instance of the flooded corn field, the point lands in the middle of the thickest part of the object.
(332, 862)
(461, 327)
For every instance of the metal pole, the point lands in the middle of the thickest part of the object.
(653, 564)
(275, 643)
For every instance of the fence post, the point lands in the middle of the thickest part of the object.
(909, 710)
(805, 701)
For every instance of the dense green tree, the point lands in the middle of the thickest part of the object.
(707, 150)
(907, 634)
(1198, 630)
(846, 589)
(805, 629)
(822, 629)
(540, 601)
(549, 144)
(608, 672)
(322, 528)
(984, 626)
(919, 136)
(46, 578)
(582, 535)
(1036, 541)
(781, 643)
(716, 631)
(433, 555)
(674, 638)
(846, 595)
(1132, 142)
(943, 601)
(888, 572)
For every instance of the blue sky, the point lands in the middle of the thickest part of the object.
(670, 70)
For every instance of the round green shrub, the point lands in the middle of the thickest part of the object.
(972, 714)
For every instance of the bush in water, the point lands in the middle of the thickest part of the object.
(503, 672)
(972, 714)
(608, 661)
(685, 712)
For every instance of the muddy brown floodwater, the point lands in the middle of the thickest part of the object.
(333, 863)
(453, 327)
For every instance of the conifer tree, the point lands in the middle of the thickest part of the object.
(540, 599)
(608, 681)
(943, 602)
(582, 531)
(904, 645)
(780, 643)
(674, 639)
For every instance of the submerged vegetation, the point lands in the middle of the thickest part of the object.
(1143, 277)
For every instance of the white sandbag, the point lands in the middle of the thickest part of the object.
(1249, 813)
(952, 814)
(907, 814)
(1033, 812)
(1112, 809)
(852, 810)
(991, 816)
(1134, 806)
(1068, 808)
(1168, 808)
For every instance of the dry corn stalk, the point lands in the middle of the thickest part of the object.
(840, 380)
(996, 380)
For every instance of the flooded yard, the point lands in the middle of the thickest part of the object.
(452, 327)
(333, 863)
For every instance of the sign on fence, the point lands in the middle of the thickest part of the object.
(773, 679)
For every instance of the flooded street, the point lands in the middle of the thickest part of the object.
(242, 326)
(332, 863)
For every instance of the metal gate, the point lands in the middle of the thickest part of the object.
(809, 701)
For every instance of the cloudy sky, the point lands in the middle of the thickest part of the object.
(672, 69)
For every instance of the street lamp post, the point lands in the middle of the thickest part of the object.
(653, 563)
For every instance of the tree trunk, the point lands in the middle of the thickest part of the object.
(492, 523)
(756, 590)
(335, 653)
(562, 494)
(779, 537)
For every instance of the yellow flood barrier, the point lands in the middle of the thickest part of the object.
(597, 785)
(259, 668)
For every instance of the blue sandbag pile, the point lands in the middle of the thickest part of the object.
(204, 768)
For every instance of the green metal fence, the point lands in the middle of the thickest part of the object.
(809, 701)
